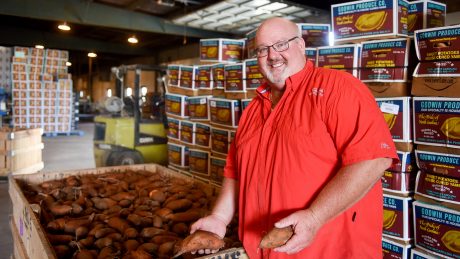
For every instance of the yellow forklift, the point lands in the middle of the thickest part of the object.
(121, 140)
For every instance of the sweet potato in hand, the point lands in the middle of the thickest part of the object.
(276, 237)
(199, 240)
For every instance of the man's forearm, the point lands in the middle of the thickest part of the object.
(347, 187)
(225, 206)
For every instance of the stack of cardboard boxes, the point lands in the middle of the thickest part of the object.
(5, 68)
(41, 89)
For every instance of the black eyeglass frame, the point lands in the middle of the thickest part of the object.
(265, 48)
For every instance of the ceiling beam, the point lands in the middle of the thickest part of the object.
(87, 12)
(16, 36)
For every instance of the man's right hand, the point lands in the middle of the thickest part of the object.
(212, 223)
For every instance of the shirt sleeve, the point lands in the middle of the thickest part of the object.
(355, 121)
(230, 165)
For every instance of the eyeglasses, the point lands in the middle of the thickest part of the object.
(279, 47)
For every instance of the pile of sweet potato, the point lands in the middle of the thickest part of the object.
(120, 215)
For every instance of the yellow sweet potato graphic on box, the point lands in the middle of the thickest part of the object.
(211, 52)
(389, 218)
(371, 21)
(390, 119)
(174, 156)
(223, 115)
(451, 128)
(411, 20)
(451, 240)
(175, 107)
(200, 110)
(200, 164)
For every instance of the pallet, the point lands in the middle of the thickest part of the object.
(70, 133)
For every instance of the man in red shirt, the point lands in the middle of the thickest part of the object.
(309, 153)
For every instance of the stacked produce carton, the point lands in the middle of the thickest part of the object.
(436, 114)
(41, 89)
(5, 67)
(381, 30)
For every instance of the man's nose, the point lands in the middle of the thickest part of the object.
(272, 52)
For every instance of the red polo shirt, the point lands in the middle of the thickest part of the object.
(326, 119)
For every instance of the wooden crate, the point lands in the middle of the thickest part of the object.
(19, 251)
(30, 230)
(20, 151)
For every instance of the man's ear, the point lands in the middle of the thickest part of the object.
(302, 42)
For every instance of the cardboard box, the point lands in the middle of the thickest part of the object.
(387, 89)
(395, 250)
(203, 77)
(220, 140)
(343, 57)
(385, 60)
(396, 112)
(217, 170)
(218, 75)
(437, 44)
(436, 86)
(187, 134)
(199, 162)
(417, 253)
(436, 229)
(397, 215)
(173, 73)
(174, 128)
(187, 77)
(198, 107)
(177, 105)
(435, 121)
(369, 19)
(235, 77)
(310, 53)
(398, 183)
(203, 135)
(425, 14)
(437, 162)
(221, 50)
(315, 34)
(251, 43)
(225, 112)
(178, 155)
(253, 76)
(440, 188)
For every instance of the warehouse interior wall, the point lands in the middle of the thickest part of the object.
(453, 18)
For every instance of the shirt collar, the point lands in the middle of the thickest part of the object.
(292, 82)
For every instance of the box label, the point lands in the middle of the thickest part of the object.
(315, 35)
(394, 213)
(220, 140)
(438, 187)
(217, 169)
(384, 61)
(203, 77)
(187, 132)
(186, 77)
(438, 163)
(395, 118)
(438, 43)
(173, 128)
(341, 58)
(218, 75)
(437, 230)
(232, 50)
(199, 162)
(225, 112)
(198, 107)
(202, 135)
(234, 75)
(310, 53)
(253, 76)
(209, 49)
(437, 121)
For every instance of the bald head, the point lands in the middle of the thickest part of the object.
(278, 25)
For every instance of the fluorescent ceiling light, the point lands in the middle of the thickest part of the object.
(273, 6)
(39, 46)
(69, 64)
(303, 14)
(133, 40)
(257, 3)
(64, 27)
(92, 55)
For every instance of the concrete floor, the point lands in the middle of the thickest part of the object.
(61, 153)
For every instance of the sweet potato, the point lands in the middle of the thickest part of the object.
(157, 195)
(59, 239)
(60, 210)
(150, 232)
(85, 254)
(166, 248)
(187, 216)
(81, 232)
(125, 203)
(130, 245)
(62, 251)
(103, 242)
(138, 254)
(115, 236)
(180, 228)
(181, 204)
(157, 221)
(276, 237)
(118, 223)
(149, 247)
(102, 232)
(123, 196)
(130, 233)
(103, 203)
(163, 212)
(199, 240)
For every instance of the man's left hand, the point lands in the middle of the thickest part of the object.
(305, 225)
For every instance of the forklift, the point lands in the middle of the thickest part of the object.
(127, 140)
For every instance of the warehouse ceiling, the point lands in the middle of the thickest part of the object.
(103, 26)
